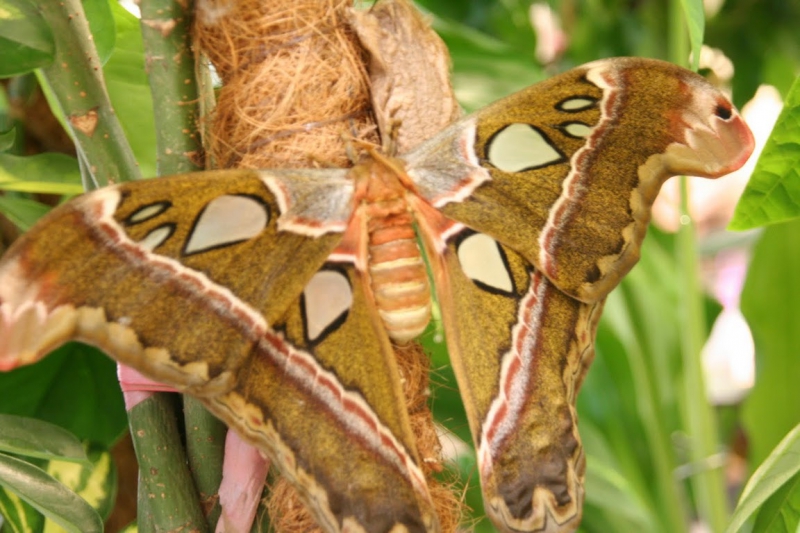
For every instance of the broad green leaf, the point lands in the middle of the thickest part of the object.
(19, 517)
(43, 173)
(781, 513)
(101, 24)
(129, 90)
(771, 304)
(782, 465)
(696, 21)
(773, 192)
(74, 387)
(48, 496)
(23, 212)
(26, 41)
(34, 438)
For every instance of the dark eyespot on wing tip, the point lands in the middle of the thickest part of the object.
(593, 275)
(723, 111)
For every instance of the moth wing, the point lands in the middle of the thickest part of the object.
(124, 266)
(519, 348)
(323, 394)
(203, 282)
(565, 171)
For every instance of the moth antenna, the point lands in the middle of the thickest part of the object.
(389, 138)
(355, 147)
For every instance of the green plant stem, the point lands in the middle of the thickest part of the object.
(144, 509)
(76, 79)
(205, 448)
(699, 418)
(165, 485)
(170, 70)
(170, 67)
(678, 43)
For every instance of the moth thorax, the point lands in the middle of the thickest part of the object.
(399, 279)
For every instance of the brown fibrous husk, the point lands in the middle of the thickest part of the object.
(293, 82)
(295, 93)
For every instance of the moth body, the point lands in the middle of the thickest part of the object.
(397, 273)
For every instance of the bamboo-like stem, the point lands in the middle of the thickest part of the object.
(699, 418)
(170, 70)
(170, 499)
(171, 73)
(205, 449)
(76, 78)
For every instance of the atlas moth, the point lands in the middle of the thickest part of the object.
(275, 295)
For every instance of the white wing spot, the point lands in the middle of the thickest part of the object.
(577, 129)
(481, 261)
(327, 296)
(147, 212)
(226, 220)
(576, 104)
(521, 147)
(156, 238)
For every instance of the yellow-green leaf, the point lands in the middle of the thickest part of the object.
(782, 465)
(48, 496)
(17, 515)
(96, 482)
(781, 512)
(773, 192)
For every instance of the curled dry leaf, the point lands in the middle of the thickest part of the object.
(409, 73)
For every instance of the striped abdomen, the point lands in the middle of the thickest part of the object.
(398, 276)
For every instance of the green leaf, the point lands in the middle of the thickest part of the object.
(23, 212)
(43, 173)
(75, 387)
(48, 496)
(101, 24)
(95, 482)
(19, 517)
(35, 438)
(7, 139)
(771, 305)
(781, 513)
(607, 488)
(129, 90)
(696, 21)
(782, 465)
(773, 192)
(26, 41)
